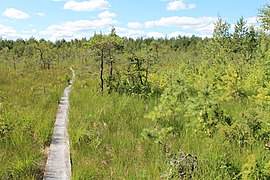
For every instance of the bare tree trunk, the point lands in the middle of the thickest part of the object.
(111, 73)
(14, 65)
(140, 77)
(156, 48)
(48, 64)
(139, 71)
(146, 75)
(101, 71)
(16, 61)
(41, 57)
(111, 64)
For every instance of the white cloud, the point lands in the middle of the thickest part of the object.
(252, 21)
(7, 32)
(29, 32)
(15, 14)
(134, 25)
(129, 33)
(33, 31)
(205, 29)
(57, 32)
(72, 29)
(200, 24)
(174, 34)
(178, 33)
(41, 14)
(192, 6)
(84, 25)
(179, 5)
(106, 14)
(155, 35)
(89, 5)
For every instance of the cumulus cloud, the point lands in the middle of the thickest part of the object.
(71, 29)
(32, 31)
(174, 34)
(200, 24)
(15, 14)
(252, 21)
(57, 32)
(155, 35)
(129, 33)
(90, 5)
(178, 33)
(7, 32)
(84, 25)
(106, 14)
(179, 5)
(134, 25)
(41, 14)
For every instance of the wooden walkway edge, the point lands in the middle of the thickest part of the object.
(58, 164)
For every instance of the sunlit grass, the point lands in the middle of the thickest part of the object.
(29, 99)
(107, 141)
(105, 133)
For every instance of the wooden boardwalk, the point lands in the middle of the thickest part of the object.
(58, 164)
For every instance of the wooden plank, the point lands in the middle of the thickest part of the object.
(58, 164)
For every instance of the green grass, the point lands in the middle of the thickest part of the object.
(105, 133)
(109, 133)
(28, 104)
(107, 142)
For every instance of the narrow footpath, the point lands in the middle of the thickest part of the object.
(58, 164)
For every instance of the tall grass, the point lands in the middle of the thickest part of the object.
(28, 104)
(105, 133)
(108, 140)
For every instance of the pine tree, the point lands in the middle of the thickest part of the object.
(240, 35)
(264, 17)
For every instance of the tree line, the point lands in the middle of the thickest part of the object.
(139, 56)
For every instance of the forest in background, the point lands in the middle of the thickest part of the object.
(179, 108)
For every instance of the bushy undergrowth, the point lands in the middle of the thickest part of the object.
(217, 116)
(210, 122)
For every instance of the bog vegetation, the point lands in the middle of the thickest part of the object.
(179, 108)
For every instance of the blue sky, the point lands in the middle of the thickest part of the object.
(69, 19)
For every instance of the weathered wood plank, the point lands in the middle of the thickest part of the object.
(58, 164)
